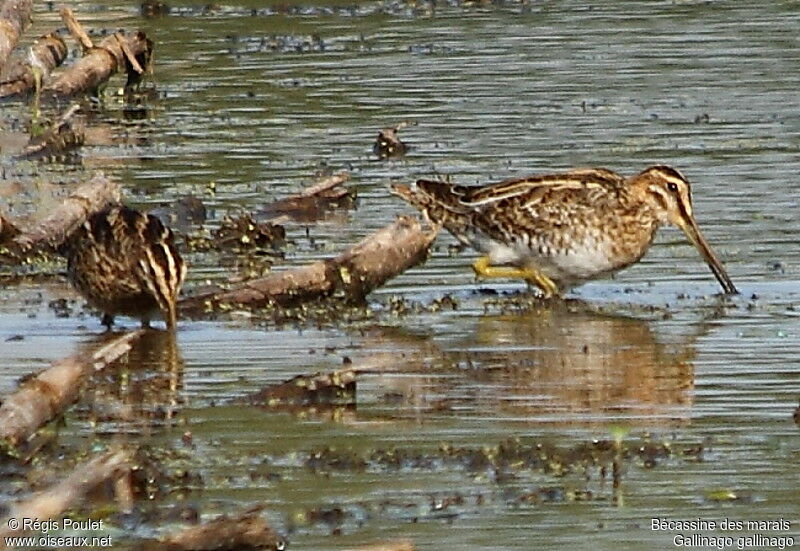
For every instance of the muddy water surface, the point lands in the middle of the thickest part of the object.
(253, 99)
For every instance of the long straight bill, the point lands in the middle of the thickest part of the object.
(691, 230)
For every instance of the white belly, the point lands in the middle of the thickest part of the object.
(582, 262)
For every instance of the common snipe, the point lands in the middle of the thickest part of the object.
(558, 230)
(125, 262)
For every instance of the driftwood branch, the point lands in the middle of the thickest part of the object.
(76, 29)
(244, 531)
(100, 62)
(130, 55)
(322, 186)
(89, 198)
(45, 396)
(307, 204)
(51, 503)
(15, 16)
(350, 276)
(18, 77)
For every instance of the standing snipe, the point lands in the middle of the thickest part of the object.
(559, 230)
(125, 262)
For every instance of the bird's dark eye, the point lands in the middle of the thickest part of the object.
(672, 186)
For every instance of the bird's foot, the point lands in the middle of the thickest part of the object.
(484, 269)
(546, 285)
(108, 321)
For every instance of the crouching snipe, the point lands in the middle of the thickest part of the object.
(125, 262)
(556, 231)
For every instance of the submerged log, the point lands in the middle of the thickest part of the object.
(58, 139)
(338, 388)
(242, 532)
(245, 234)
(15, 16)
(51, 503)
(51, 232)
(351, 276)
(48, 394)
(18, 77)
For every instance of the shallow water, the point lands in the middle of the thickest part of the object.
(257, 102)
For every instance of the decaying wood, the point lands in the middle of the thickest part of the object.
(89, 198)
(15, 16)
(102, 61)
(310, 201)
(130, 56)
(387, 546)
(51, 503)
(76, 29)
(80, 36)
(18, 77)
(58, 139)
(350, 276)
(123, 493)
(337, 388)
(246, 531)
(48, 394)
(323, 186)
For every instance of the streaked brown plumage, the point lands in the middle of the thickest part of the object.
(559, 230)
(125, 262)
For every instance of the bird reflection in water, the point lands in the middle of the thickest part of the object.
(145, 386)
(557, 364)
(576, 367)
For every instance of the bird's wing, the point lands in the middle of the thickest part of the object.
(533, 189)
(541, 204)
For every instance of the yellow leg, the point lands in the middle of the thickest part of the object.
(483, 268)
